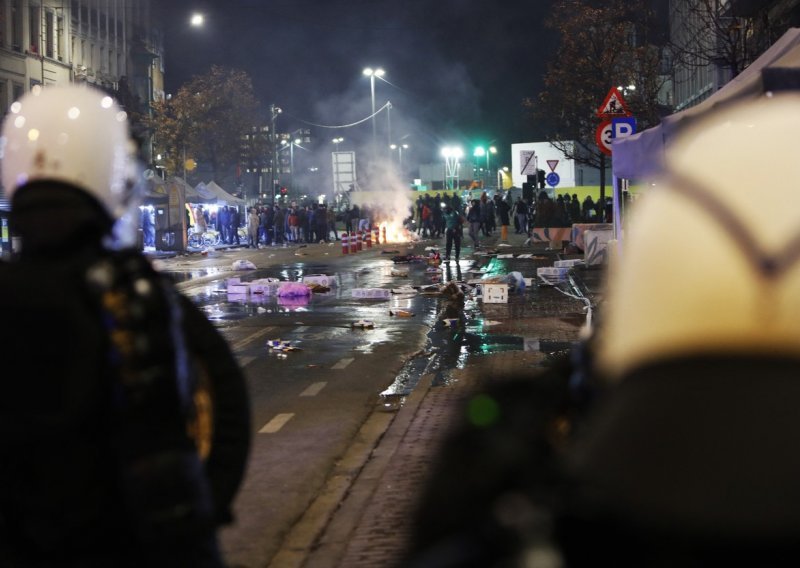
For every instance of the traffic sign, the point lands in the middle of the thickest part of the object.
(528, 161)
(553, 179)
(622, 127)
(552, 164)
(613, 106)
(603, 137)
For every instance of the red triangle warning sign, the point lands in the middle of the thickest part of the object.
(614, 106)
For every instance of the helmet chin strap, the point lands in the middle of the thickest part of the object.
(771, 266)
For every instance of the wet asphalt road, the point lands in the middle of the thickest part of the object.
(308, 405)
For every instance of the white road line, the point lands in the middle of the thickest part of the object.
(343, 363)
(314, 389)
(253, 336)
(301, 329)
(276, 423)
(245, 361)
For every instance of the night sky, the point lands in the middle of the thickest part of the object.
(457, 69)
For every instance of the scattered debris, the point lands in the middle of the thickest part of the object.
(242, 264)
(399, 273)
(405, 290)
(363, 324)
(401, 313)
(282, 346)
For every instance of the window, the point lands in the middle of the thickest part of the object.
(3, 25)
(16, 25)
(18, 91)
(60, 38)
(49, 33)
(34, 27)
(4, 104)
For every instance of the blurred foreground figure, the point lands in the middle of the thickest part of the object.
(124, 421)
(687, 455)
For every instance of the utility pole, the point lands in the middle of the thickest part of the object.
(274, 111)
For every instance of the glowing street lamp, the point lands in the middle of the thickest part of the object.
(399, 148)
(197, 20)
(286, 144)
(452, 154)
(372, 73)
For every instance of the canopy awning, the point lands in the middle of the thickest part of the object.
(642, 155)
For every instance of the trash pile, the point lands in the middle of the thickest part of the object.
(282, 345)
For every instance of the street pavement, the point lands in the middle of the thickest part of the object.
(362, 516)
(371, 525)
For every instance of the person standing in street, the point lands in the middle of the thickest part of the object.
(253, 223)
(453, 232)
(124, 423)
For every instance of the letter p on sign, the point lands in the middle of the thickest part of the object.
(622, 127)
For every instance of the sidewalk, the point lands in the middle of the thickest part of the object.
(369, 524)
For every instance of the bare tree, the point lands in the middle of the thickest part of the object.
(602, 45)
(206, 120)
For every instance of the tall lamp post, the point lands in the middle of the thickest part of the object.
(372, 73)
(480, 152)
(274, 111)
(399, 148)
(452, 154)
(291, 145)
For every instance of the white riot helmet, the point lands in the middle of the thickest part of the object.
(711, 263)
(76, 135)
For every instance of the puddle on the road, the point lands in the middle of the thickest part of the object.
(448, 348)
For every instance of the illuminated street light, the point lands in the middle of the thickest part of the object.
(372, 73)
(197, 20)
(286, 144)
(399, 148)
(452, 154)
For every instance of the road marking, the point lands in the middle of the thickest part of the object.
(253, 336)
(276, 424)
(245, 361)
(343, 363)
(314, 389)
(302, 328)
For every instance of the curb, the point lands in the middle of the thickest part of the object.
(316, 542)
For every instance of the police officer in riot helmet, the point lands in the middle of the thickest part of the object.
(124, 422)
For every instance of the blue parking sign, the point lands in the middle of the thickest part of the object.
(622, 127)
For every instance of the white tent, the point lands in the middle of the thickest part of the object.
(211, 192)
(641, 155)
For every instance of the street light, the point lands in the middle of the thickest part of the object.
(291, 145)
(452, 154)
(337, 141)
(400, 148)
(197, 20)
(274, 111)
(372, 73)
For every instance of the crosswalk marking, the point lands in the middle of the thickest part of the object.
(274, 425)
(343, 363)
(245, 361)
(252, 337)
(314, 389)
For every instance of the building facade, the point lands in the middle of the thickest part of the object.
(112, 44)
(712, 41)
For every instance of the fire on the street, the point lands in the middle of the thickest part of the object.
(395, 232)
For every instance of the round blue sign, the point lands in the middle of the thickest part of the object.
(552, 179)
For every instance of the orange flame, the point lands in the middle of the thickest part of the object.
(394, 232)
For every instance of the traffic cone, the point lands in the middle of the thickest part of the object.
(345, 245)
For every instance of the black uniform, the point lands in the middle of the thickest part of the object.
(111, 455)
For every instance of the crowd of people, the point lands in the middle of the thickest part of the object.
(484, 215)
